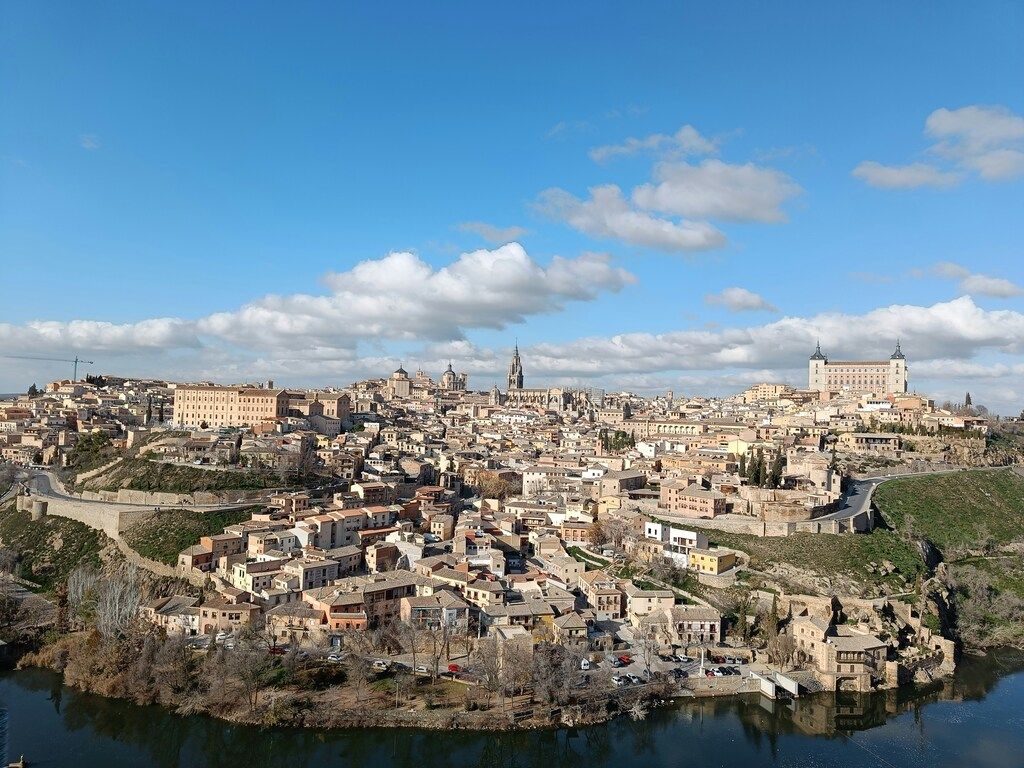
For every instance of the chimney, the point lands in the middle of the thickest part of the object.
(270, 383)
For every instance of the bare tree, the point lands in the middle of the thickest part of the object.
(251, 664)
(647, 642)
(118, 599)
(486, 665)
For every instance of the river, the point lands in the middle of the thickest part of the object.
(976, 720)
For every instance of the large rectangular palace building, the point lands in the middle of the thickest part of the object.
(878, 376)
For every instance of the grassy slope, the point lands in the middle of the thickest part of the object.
(829, 555)
(50, 548)
(139, 474)
(164, 535)
(957, 512)
(965, 514)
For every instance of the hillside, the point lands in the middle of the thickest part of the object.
(162, 536)
(974, 522)
(845, 564)
(49, 549)
(959, 513)
(969, 525)
(140, 474)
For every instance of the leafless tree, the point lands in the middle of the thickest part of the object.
(118, 599)
(250, 664)
(359, 674)
(647, 642)
(485, 663)
(82, 592)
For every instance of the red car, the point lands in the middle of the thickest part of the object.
(626, 659)
(454, 668)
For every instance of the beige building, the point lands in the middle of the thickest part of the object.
(691, 500)
(199, 404)
(881, 376)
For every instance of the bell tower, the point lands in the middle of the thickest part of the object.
(515, 371)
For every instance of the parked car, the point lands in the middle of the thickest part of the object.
(618, 680)
(584, 664)
(680, 673)
(380, 665)
(454, 668)
(617, 663)
(422, 669)
(334, 658)
(626, 659)
(634, 679)
(684, 659)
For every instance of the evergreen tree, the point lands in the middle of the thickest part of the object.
(775, 476)
(149, 408)
(967, 400)
(33, 390)
(743, 465)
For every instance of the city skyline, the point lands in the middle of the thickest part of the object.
(686, 199)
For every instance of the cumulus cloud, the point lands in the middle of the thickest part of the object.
(986, 141)
(737, 299)
(975, 284)
(904, 176)
(607, 214)
(97, 336)
(718, 190)
(400, 296)
(493, 234)
(957, 329)
(676, 212)
(687, 140)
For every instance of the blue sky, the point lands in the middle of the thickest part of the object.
(160, 164)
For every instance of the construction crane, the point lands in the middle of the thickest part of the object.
(76, 361)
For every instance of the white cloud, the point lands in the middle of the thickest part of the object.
(86, 336)
(977, 285)
(957, 329)
(718, 190)
(737, 299)
(607, 214)
(400, 296)
(493, 234)
(988, 140)
(89, 141)
(904, 176)
(687, 140)
(984, 140)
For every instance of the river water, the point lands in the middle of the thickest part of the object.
(975, 720)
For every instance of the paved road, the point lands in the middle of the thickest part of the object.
(858, 498)
(46, 485)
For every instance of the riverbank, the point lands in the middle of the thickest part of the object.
(974, 715)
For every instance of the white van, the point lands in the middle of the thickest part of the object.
(585, 664)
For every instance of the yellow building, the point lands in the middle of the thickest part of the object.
(196, 405)
(712, 561)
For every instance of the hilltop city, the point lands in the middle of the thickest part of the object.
(417, 525)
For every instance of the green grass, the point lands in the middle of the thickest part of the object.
(831, 554)
(589, 561)
(165, 534)
(957, 512)
(139, 474)
(91, 452)
(48, 549)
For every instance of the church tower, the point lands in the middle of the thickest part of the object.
(816, 367)
(515, 371)
(898, 371)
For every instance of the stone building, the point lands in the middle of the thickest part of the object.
(880, 376)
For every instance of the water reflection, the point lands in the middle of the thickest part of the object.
(168, 741)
